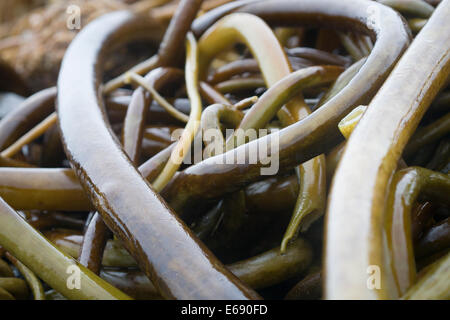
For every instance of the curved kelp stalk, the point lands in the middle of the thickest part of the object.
(356, 248)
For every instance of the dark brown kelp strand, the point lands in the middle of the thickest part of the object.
(136, 214)
(171, 49)
(34, 109)
(94, 241)
(97, 233)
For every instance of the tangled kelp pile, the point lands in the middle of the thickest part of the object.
(265, 149)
